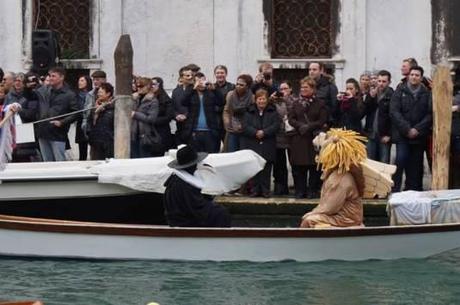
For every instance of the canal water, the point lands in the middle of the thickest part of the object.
(434, 280)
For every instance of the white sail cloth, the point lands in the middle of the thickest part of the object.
(411, 207)
(221, 173)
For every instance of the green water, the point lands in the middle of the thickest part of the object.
(426, 281)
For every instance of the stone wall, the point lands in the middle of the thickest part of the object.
(169, 34)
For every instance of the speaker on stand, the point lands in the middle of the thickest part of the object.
(45, 50)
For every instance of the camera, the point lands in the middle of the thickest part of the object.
(279, 94)
(267, 76)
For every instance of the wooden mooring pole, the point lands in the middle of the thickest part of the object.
(442, 121)
(124, 103)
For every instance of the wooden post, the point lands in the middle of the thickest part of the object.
(442, 120)
(124, 103)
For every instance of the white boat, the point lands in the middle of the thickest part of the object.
(122, 191)
(21, 236)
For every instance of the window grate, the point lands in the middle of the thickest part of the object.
(302, 28)
(70, 19)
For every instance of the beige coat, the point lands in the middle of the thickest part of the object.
(340, 204)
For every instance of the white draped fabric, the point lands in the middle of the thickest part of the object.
(220, 172)
(411, 207)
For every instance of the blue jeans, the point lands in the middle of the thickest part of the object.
(378, 151)
(138, 151)
(233, 142)
(205, 141)
(409, 160)
(52, 150)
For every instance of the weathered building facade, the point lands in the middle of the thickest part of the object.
(349, 35)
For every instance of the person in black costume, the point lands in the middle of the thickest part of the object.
(185, 205)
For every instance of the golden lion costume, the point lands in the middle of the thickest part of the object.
(340, 204)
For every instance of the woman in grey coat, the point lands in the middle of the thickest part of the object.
(145, 140)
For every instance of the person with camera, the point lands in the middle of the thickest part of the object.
(202, 124)
(282, 100)
(378, 123)
(350, 110)
(264, 79)
(308, 115)
(28, 152)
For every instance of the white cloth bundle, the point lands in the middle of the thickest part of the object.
(221, 173)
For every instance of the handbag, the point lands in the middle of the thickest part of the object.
(152, 141)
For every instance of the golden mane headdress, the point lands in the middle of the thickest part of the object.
(341, 150)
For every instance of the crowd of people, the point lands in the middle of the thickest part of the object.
(254, 113)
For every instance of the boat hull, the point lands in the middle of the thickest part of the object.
(43, 238)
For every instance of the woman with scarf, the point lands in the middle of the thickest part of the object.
(237, 102)
(307, 115)
(85, 85)
(101, 134)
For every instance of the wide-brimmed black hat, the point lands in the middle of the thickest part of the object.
(186, 157)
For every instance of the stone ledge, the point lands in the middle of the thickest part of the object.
(288, 206)
(90, 64)
(301, 63)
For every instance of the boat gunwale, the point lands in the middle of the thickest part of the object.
(93, 228)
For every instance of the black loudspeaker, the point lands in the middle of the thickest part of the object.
(45, 50)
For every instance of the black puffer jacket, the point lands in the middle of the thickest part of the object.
(408, 111)
(269, 122)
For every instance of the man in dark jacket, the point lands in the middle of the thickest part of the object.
(202, 126)
(378, 123)
(185, 205)
(55, 100)
(411, 117)
(326, 90)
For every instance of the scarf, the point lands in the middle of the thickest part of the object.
(193, 180)
(236, 103)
